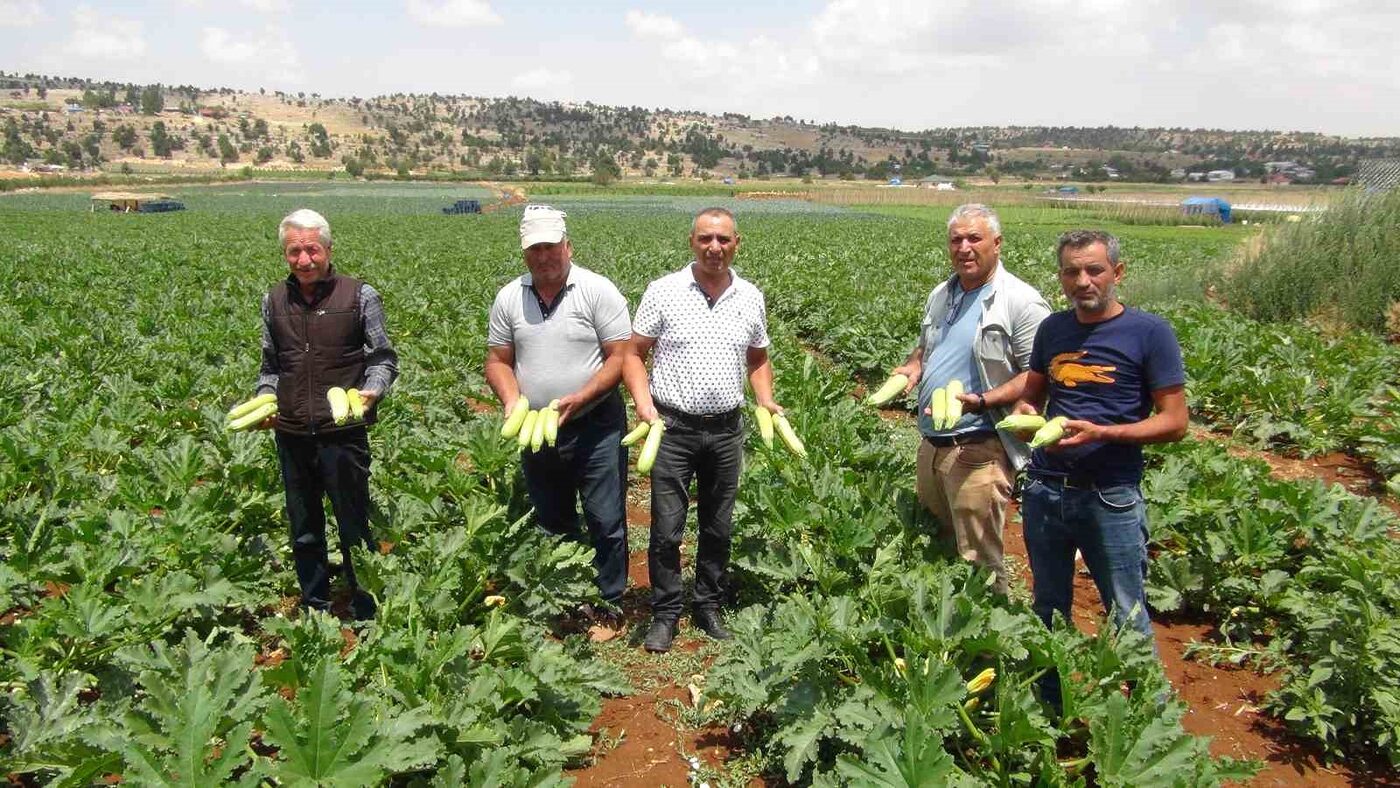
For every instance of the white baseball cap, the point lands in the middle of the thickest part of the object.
(541, 224)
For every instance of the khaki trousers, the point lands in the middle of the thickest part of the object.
(967, 488)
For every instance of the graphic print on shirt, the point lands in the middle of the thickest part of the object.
(1065, 370)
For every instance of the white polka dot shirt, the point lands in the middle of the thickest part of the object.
(701, 350)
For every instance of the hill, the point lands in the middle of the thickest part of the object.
(50, 123)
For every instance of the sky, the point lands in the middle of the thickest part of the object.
(1330, 66)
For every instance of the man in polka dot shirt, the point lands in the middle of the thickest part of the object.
(709, 330)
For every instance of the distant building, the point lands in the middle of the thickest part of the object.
(1291, 170)
(1179, 174)
(1216, 176)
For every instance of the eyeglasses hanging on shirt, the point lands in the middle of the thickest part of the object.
(957, 297)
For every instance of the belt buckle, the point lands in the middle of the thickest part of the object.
(1070, 483)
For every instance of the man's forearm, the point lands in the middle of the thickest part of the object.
(1157, 428)
(501, 378)
(761, 380)
(634, 376)
(1008, 393)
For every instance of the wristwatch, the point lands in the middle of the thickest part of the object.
(981, 403)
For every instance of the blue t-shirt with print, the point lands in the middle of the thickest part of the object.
(1103, 373)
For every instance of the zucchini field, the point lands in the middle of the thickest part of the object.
(148, 627)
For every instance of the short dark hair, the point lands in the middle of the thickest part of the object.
(714, 211)
(1078, 239)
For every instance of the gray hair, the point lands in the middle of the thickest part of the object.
(305, 219)
(715, 211)
(975, 210)
(1078, 239)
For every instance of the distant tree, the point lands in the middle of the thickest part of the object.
(265, 154)
(320, 141)
(605, 168)
(161, 144)
(124, 136)
(353, 167)
(294, 152)
(151, 101)
(16, 149)
(227, 153)
(73, 154)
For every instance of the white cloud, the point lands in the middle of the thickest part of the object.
(269, 55)
(748, 65)
(267, 6)
(544, 83)
(452, 13)
(20, 13)
(648, 25)
(104, 37)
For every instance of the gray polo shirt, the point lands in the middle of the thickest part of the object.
(556, 355)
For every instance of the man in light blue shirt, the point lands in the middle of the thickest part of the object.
(978, 328)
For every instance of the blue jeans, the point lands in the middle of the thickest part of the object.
(587, 462)
(1108, 525)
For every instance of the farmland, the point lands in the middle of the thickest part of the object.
(148, 599)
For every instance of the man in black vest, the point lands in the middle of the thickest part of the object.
(323, 329)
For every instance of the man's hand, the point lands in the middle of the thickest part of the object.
(1078, 433)
(910, 371)
(1024, 408)
(568, 404)
(972, 403)
(771, 405)
(269, 423)
(510, 406)
(369, 398)
(647, 413)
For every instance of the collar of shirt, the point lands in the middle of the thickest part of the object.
(323, 287)
(546, 308)
(695, 283)
(954, 291)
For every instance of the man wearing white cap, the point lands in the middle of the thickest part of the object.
(559, 332)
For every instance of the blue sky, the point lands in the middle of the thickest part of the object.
(1313, 65)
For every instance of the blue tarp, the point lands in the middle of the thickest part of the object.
(1211, 206)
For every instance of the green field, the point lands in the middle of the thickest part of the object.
(146, 581)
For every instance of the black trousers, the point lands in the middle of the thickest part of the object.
(711, 453)
(334, 465)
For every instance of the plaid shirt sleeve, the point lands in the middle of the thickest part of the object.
(267, 375)
(381, 361)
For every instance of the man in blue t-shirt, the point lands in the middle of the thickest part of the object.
(1115, 372)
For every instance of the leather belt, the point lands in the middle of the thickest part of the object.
(705, 422)
(961, 439)
(1068, 481)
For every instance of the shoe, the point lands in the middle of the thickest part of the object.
(362, 605)
(711, 621)
(660, 635)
